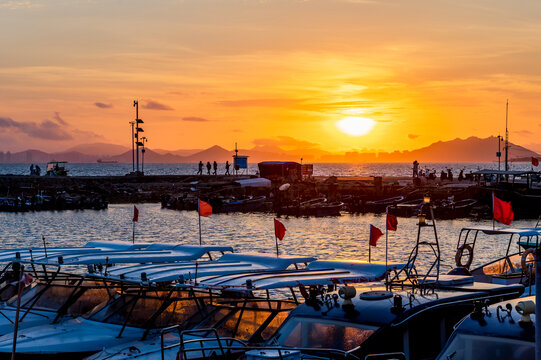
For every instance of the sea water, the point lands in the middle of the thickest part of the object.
(320, 169)
(343, 237)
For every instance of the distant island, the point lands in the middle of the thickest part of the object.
(472, 149)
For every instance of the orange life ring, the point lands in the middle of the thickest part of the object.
(460, 252)
(523, 262)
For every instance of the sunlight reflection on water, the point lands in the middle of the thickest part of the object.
(344, 237)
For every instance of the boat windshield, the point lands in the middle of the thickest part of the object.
(53, 297)
(471, 347)
(243, 319)
(321, 333)
(139, 310)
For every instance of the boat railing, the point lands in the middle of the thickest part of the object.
(213, 345)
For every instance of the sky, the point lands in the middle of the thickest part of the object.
(339, 75)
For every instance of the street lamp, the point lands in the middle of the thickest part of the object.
(132, 123)
(144, 140)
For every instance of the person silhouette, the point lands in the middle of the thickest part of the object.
(208, 167)
(227, 167)
(200, 168)
(215, 167)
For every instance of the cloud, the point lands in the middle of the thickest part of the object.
(154, 105)
(47, 129)
(413, 136)
(523, 132)
(59, 119)
(194, 118)
(103, 105)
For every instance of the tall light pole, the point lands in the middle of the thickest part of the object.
(132, 123)
(137, 131)
(144, 140)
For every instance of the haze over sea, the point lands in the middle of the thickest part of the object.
(320, 169)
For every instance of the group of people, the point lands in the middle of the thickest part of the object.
(214, 167)
(444, 175)
(35, 170)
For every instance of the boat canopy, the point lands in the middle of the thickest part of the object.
(90, 247)
(319, 272)
(180, 271)
(255, 182)
(503, 172)
(504, 231)
(152, 254)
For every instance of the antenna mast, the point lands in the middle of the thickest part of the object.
(506, 136)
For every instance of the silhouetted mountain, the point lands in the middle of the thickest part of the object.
(99, 149)
(472, 149)
(179, 152)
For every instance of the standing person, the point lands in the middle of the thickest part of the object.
(32, 169)
(227, 167)
(215, 167)
(38, 170)
(415, 169)
(200, 170)
(208, 167)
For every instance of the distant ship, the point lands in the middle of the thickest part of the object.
(107, 161)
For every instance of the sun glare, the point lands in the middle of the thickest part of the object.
(355, 126)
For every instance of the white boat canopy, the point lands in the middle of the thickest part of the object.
(182, 271)
(149, 255)
(320, 272)
(54, 252)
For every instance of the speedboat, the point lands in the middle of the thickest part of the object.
(511, 267)
(250, 314)
(500, 331)
(141, 312)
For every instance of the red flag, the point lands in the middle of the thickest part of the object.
(279, 229)
(204, 208)
(135, 214)
(535, 161)
(375, 234)
(392, 222)
(502, 210)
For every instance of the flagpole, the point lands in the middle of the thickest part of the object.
(199, 214)
(133, 232)
(386, 233)
(369, 247)
(276, 240)
(493, 225)
(17, 311)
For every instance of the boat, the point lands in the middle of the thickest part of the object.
(451, 209)
(379, 206)
(511, 267)
(243, 288)
(313, 207)
(144, 310)
(56, 168)
(500, 331)
(248, 204)
(406, 208)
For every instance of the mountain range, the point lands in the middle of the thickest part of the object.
(472, 149)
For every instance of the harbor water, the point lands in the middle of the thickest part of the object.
(343, 237)
(320, 169)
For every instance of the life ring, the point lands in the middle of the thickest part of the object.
(460, 252)
(523, 261)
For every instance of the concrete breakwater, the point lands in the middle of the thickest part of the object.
(353, 194)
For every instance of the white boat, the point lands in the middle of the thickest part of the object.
(317, 273)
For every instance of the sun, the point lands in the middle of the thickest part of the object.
(355, 126)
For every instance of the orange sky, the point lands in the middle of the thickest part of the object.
(218, 72)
